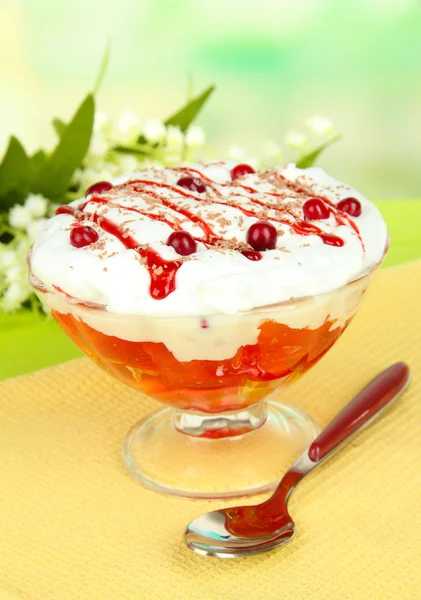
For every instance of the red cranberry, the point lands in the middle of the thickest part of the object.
(262, 236)
(82, 235)
(351, 206)
(99, 188)
(252, 255)
(194, 184)
(64, 210)
(182, 242)
(315, 209)
(240, 170)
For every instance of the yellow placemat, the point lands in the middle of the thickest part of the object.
(74, 526)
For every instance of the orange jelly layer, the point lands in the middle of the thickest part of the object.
(213, 386)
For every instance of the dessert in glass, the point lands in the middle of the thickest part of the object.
(209, 287)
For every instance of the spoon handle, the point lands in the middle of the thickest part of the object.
(363, 408)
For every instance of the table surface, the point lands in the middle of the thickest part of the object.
(75, 526)
(31, 342)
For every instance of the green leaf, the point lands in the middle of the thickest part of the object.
(54, 179)
(102, 68)
(12, 197)
(59, 126)
(141, 150)
(308, 160)
(186, 115)
(15, 174)
(38, 162)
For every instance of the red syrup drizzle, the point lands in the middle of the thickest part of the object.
(211, 238)
(342, 218)
(152, 216)
(210, 235)
(300, 227)
(253, 255)
(163, 272)
(247, 188)
(235, 182)
(247, 212)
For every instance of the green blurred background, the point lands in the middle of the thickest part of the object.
(275, 62)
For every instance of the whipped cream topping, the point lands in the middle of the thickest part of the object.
(130, 269)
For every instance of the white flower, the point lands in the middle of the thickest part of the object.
(175, 139)
(89, 176)
(321, 125)
(77, 178)
(7, 257)
(22, 244)
(102, 123)
(127, 163)
(296, 140)
(34, 227)
(195, 137)
(128, 128)
(99, 145)
(14, 296)
(236, 152)
(154, 130)
(19, 217)
(272, 151)
(36, 204)
(15, 273)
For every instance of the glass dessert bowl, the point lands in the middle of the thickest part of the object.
(209, 289)
(221, 436)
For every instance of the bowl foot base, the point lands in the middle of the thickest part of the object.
(166, 460)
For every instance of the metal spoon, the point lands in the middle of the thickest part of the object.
(245, 530)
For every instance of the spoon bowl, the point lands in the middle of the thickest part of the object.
(244, 530)
(209, 535)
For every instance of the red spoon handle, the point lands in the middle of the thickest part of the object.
(361, 410)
